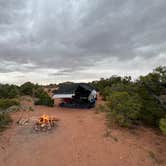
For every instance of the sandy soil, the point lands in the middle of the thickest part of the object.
(81, 139)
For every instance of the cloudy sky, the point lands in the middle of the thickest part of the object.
(49, 41)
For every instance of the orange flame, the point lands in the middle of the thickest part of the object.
(44, 119)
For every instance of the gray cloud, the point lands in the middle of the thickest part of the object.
(76, 38)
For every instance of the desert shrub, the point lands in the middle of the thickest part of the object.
(6, 103)
(38, 91)
(101, 108)
(44, 99)
(162, 125)
(30, 89)
(27, 88)
(124, 108)
(132, 101)
(5, 120)
(13, 92)
(151, 111)
(9, 91)
(14, 108)
(102, 83)
(106, 92)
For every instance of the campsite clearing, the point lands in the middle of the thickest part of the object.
(80, 139)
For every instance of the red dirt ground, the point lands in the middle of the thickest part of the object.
(81, 139)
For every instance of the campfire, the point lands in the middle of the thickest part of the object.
(45, 123)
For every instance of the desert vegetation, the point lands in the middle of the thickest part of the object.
(10, 96)
(130, 103)
(5, 120)
(36, 91)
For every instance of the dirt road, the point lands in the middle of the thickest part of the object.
(81, 139)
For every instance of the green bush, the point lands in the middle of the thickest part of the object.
(151, 111)
(14, 108)
(130, 101)
(6, 103)
(106, 92)
(162, 125)
(101, 108)
(124, 108)
(9, 91)
(27, 88)
(5, 120)
(44, 99)
(38, 91)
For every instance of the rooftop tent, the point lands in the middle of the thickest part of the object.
(83, 91)
(66, 88)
